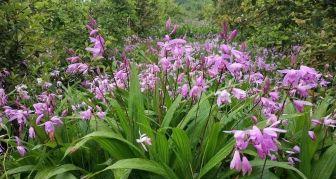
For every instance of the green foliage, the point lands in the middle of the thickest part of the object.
(282, 24)
(324, 167)
(284, 165)
(187, 138)
(35, 35)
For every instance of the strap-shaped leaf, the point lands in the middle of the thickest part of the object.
(104, 139)
(215, 160)
(270, 163)
(170, 113)
(51, 172)
(21, 169)
(326, 164)
(145, 165)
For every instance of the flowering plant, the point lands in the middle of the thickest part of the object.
(182, 114)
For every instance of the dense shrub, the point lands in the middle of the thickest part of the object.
(283, 24)
(36, 34)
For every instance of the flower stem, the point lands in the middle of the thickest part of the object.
(262, 171)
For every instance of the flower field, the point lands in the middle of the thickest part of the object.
(170, 107)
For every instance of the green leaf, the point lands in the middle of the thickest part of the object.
(65, 176)
(170, 113)
(307, 146)
(122, 173)
(326, 164)
(118, 147)
(270, 163)
(161, 147)
(21, 169)
(211, 142)
(136, 104)
(143, 164)
(50, 172)
(321, 109)
(192, 112)
(182, 149)
(216, 159)
(122, 117)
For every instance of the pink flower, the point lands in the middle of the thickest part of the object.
(31, 133)
(40, 108)
(299, 105)
(233, 35)
(165, 64)
(329, 122)
(272, 131)
(255, 135)
(291, 78)
(225, 49)
(22, 150)
(174, 30)
(316, 122)
(293, 160)
(177, 42)
(223, 97)
(312, 135)
(93, 32)
(98, 49)
(74, 59)
(184, 90)
(302, 90)
(180, 78)
(241, 139)
(236, 162)
(39, 118)
(296, 149)
(238, 93)
(254, 119)
(200, 82)
(3, 97)
(101, 114)
(274, 95)
(246, 166)
(195, 92)
(168, 24)
(235, 69)
(56, 120)
(64, 113)
(17, 114)
(86, 115)
(77, 68)
(49, 127)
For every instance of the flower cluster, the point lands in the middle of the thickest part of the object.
(264, 141)
(98, 41)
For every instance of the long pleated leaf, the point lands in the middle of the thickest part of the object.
(192, 112)
(145, 165)
(136, 105)
(284, 165)
(21, 169)
(122, 147)
(326, 164)
(217, 158)
(170, 113)
(51, 172)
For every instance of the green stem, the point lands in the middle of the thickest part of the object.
(262, 171)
